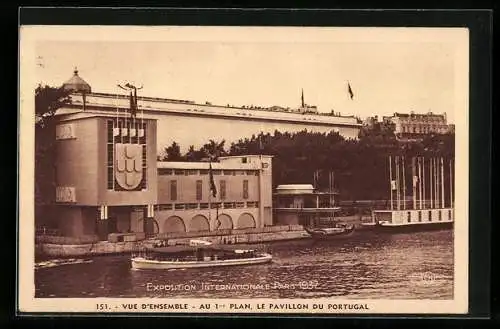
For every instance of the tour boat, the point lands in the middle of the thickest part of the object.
(198, 255)
(325, 233)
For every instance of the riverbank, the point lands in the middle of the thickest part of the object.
(51, 248)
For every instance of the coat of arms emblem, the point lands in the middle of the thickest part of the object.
(128, 165)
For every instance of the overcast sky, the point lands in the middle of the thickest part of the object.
(389, 70)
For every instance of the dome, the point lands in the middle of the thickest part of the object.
(77, 84)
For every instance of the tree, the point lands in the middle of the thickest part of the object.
(47, 101)
(173, 153)
(214, 149)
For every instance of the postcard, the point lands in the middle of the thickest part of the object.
(243, 170)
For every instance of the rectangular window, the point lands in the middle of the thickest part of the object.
(240, 204)
(164, 172)
(199, 190)
(419, 216)
(228, 172)
(192, 206)
(240, 172)
(228, 205)
(439, 215)
(180, 206)
(203, 205)
(245, 189)
(216, 172)
(203, 172)
(110, 155)
(167, 206)
(222, 189)
(244, 160)
(409, 216)
(430, 215)
(178, 172)
(173, 190)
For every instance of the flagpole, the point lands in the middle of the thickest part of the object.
(451, 186)
(390, 179)
(431, 182)
(398, 191)
(210, 191)
(404, 184)
(442, 182)
(414, 188)
(422, 184)
(420, 163)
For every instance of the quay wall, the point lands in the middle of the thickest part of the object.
(46, 249)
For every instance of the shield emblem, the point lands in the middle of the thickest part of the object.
(128, 165)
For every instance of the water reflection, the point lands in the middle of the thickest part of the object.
(365, 266)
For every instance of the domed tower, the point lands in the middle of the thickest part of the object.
(77, 84)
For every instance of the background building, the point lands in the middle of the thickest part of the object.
(176, 118)
(414, 125)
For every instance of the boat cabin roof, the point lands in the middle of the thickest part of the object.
(187, 248)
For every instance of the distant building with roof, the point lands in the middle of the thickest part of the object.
(178, 119)
(416, 126)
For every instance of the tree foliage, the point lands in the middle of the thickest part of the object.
(360, 166)
(47, 101)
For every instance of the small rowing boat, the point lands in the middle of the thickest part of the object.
(326, 233)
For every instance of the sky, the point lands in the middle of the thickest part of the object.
(389, 70)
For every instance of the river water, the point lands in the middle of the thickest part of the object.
(366, 265)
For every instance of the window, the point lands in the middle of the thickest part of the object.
(167, 206)
(192, 206)
(409, 216)
(439, 215)
(173, 190)
(110, 150)
(240, 172)
(164, 172)
(229, 172)
(203, 172)
(244, 160)
(199, 190)
(192, 172)
(449, 214)
(245, 189)
(419, 216)
(180, 206)
(203, 205)
(240, 204)
(178, 172)
(430, 215)
(222, 189)
(228, 205)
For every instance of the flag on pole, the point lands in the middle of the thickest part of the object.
(133, 104)
(349, 90)
(213, 189)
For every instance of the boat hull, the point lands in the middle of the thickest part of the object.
(413, 228)
(318, 235)
(150, 264)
